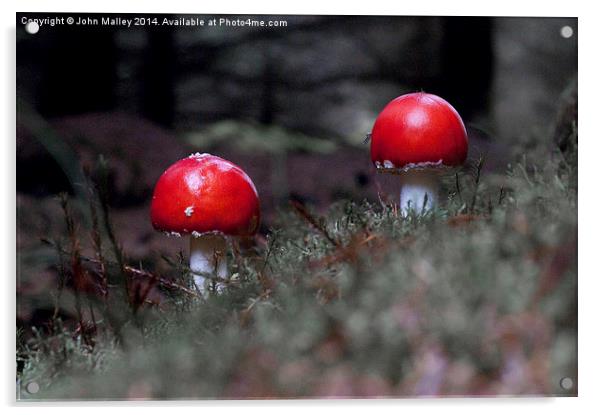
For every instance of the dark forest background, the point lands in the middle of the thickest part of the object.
(322, 77)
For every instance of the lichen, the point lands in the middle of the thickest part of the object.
(196, 234)
(389, 166)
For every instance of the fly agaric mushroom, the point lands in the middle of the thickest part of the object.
(417, 135)
(208, 198)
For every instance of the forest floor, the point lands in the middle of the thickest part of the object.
(477, 297)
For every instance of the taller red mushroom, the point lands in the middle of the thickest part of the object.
(208, 198)
(415, 136)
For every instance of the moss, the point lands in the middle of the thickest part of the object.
(477, 297)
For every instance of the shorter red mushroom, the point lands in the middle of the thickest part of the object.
(416, 135)
(208, 198)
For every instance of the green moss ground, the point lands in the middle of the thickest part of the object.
(477, 297)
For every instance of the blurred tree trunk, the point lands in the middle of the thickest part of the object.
(80, 73)
(158, 77)
(279, 162)
(268, 85)
(467, 63)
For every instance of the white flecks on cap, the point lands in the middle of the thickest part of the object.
(195, 181)
(388, 164)
(198, 155)
(173, 234)
(189, 211)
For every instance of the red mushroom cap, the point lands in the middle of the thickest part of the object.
(418, 130)
(205, 194)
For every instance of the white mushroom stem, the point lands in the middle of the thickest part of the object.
(416, 185)
(207, 259)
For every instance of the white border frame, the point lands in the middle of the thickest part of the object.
(590, 275)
